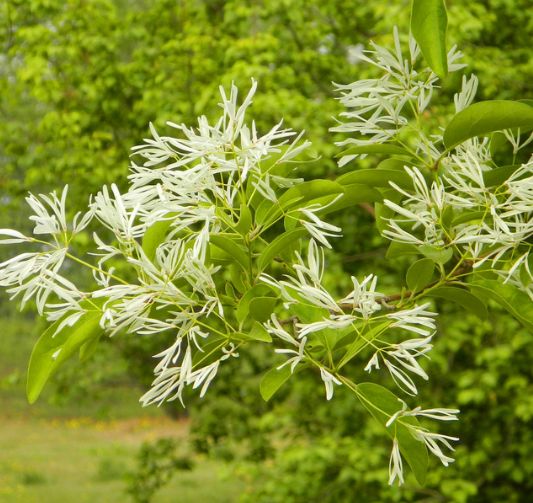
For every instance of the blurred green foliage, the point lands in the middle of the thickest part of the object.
(157, 463)
(79, 82)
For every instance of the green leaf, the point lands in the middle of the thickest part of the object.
(355, 193)
(380, 148)
(211, 350)
(462, 297)
(154, 236)
(396, 249)
(394, 164)
(51, 350)
(469, 216)
(447, 216)
(485, 117)
(298, 196)
(261, 308)
(234, 250)
(420, 274)
(236, 277)
(287, 239)
(382, 214)
(428, 26)
(264, 210)
(259, 333)
(360, 342)
(497, 176)
(517, 303)
(256, 333)
(306, 191)
(376, 178)
(243, 309)
(382, 404)
(437, 254)
(89, 348)
(272, 381)
(245, 221)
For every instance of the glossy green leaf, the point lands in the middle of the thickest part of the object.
(485, 117)
(261, 308)
(256, 333)
(259, 333)
(273, 380)
(360, 342)
(380, 148)
(437, 254)
(469, 216)
(245, 221)
(237, 277)
(89, 348)
(154, 236)
(420, 274)
(306, 191)
(376, 178)
(51, 350)
(462, 297)
(211, 350)
(243, 309)
(354, 194)
(396, 250)
(516, 302)
(497, 176)
(382, 214)
(394, 164)
(287, 239)
(233, 250)
(382, 404)
(264, 210)
(299, 196)
(428, 26)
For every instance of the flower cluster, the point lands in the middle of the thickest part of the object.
(377, 109)
(455, 198)
(200, 235)
(360, 311)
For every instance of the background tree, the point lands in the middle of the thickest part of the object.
(81, 80)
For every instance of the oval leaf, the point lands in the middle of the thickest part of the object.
(268, 212)
(437, 254)
(420, 274)
(307, 191)
(361, 342)
(497, 176)
(354, 152)
(261, 308)
(273, 380)
(233, 249)
(377, 178)
(52, 349)
(462, 297)
(510, 298)
(259, 333)
(245, 220)
(428, 26)
(486, 117)
(382, 404)
(396, 250)
(243, 309)
(154, 236)
(278, 245)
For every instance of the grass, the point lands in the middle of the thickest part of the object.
(85, 461)
(79, 450)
